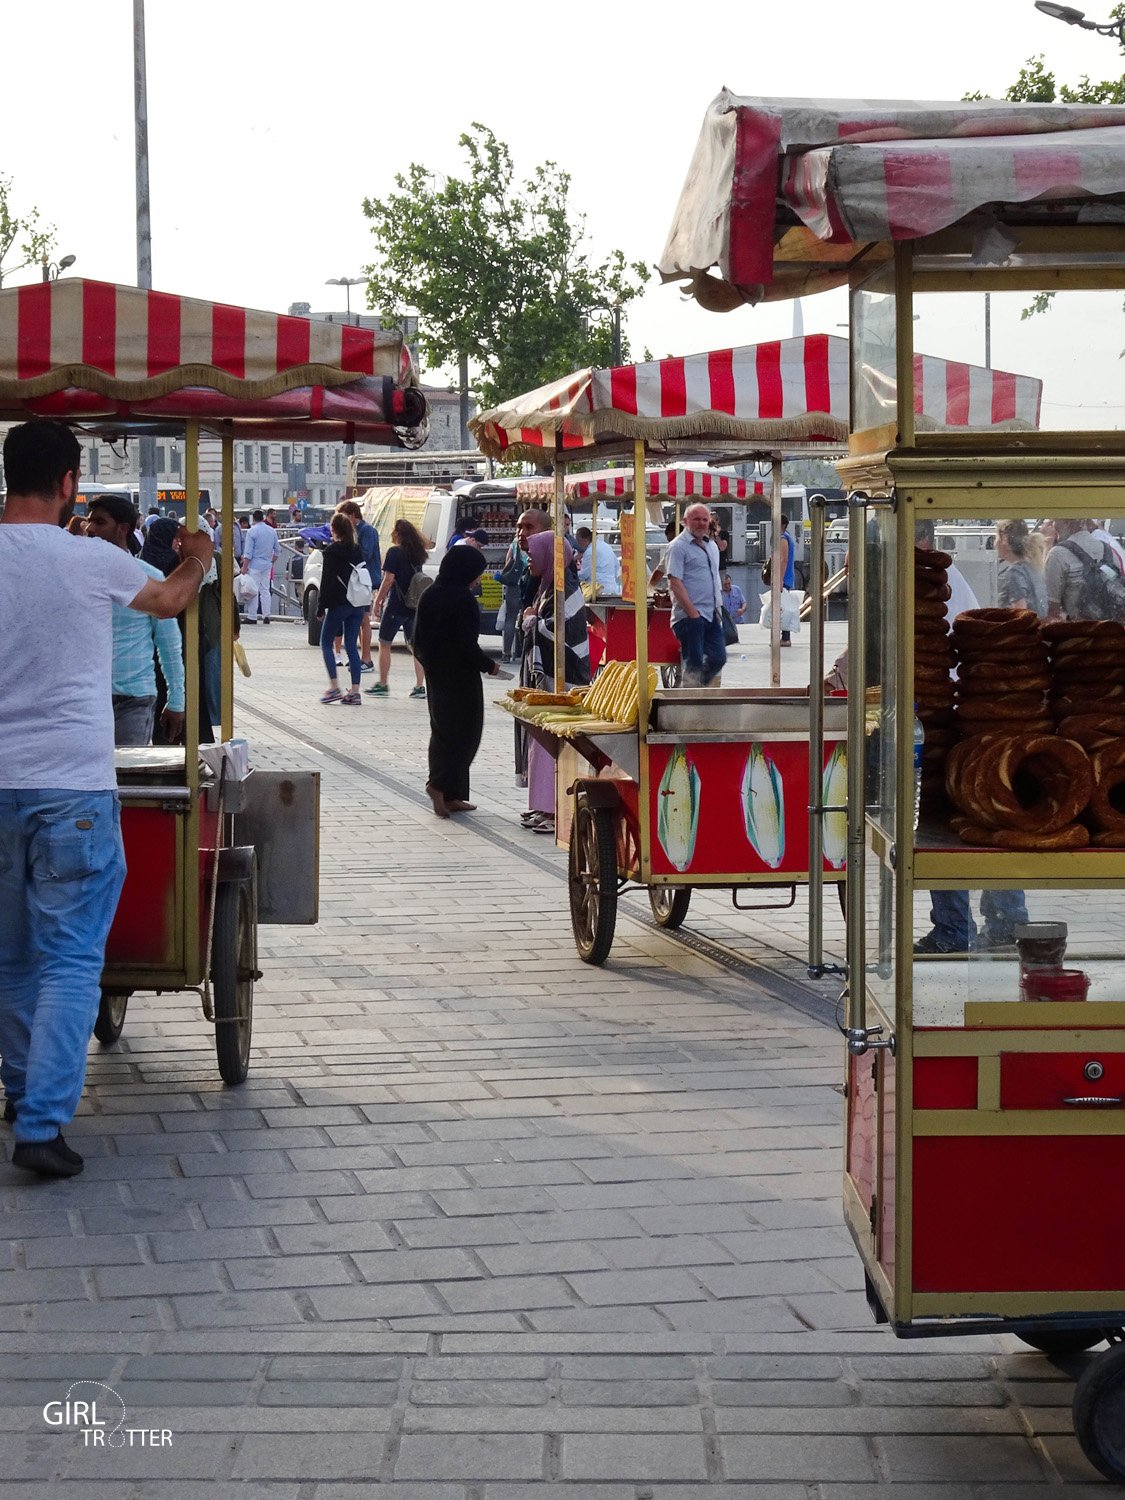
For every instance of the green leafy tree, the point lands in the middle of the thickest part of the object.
(34, 238)
(498, 270)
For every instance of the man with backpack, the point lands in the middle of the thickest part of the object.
(1082, 576)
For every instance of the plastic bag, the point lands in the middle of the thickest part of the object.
(501, 617)
(790, 603)
(245, 588)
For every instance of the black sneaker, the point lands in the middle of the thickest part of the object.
(9, 1112)
(48, 1158)
(995, 942)
(936, 945)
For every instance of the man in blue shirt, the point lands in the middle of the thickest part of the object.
(135, 638)
(692, 565)
(789, 576)
(260, 550)
(367, 539)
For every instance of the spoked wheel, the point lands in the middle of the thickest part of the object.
(1099, 1413)
(672, 675)
(111, 1015)
(669, 904)
(1059, 1342)
(234, 963)
(593, 881)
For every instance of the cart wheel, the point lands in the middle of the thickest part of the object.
(672, 675)
(1060, 1342)
(669, 904)
(111, 1015)
(310, 604)
(593, 881)
(232, 978)
(1099, 1413)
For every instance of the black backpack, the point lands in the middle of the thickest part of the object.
(1103, 587)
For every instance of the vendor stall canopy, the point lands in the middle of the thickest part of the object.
(782, 195)
(784, 394)
(114, 357)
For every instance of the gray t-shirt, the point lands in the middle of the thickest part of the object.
(696, 565)
(56, 708)
(1019, 580)
(1066, 577)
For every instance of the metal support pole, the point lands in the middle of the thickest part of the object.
(816, 742)
(191, 866)
(856, 1017)
(777, 571)
(988, 330)
(558, 579)
(463, 383)
(146, 448)
(227, 568)
(640, 619)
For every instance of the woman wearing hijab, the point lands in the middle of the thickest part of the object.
(158, 549)
(445, 642)
(539, 638)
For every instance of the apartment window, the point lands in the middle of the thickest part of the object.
(264, 458)
(287, 459)
(308, 459)
(248, 457)
(265, 500)
(160, 459)
(177, 460)
(337, 460)
(320, 460)
(249, 493)
(322, 497)
(92, 465)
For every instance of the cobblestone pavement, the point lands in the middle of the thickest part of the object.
(484, 1223)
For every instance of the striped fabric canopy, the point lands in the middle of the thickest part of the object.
(682, 482)
(91, 351)
(847, 173)
(785, 393)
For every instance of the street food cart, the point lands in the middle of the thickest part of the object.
(985, 1081)
(677, 788)
(212, 845)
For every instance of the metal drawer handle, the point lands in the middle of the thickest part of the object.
(1094, 1100)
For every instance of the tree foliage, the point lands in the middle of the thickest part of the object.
(34, 238)
(497, 269)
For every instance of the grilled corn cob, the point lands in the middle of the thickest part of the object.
(677, 821)
(763, 807)
(834, 794)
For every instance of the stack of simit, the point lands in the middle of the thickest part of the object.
(933, 667)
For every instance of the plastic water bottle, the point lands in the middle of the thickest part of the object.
(919, 746)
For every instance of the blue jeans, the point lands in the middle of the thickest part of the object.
(1000, 911)
(342, 619)
(62, 866)
(133, 719)
(702, 648)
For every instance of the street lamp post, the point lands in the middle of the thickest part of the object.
(347, 282)
(1073, 17)
(52, 270)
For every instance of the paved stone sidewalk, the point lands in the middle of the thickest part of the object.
(485, 1223)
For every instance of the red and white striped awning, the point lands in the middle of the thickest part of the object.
(846, 173)
(89, 351)
(681, 482)
(781, 394)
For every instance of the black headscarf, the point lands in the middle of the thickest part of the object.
(461, 566)
(158, 549)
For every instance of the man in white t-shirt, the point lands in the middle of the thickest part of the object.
(61, 858)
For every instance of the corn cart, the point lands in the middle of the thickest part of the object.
(672, 789)
(211, 847)
(985, 1077)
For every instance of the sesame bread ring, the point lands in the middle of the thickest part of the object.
(1055, 631)
(998, 706)
(1107, 800)
(982, 623)
(932, 561)
(1108, 840)
(1093, 731)
(1086, 649)
(1072, 836)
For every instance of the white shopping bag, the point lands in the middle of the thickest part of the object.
(790, 602)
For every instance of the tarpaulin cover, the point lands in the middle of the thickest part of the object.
(681, 482)
(785, 392)
(90, 351)
(857, 171)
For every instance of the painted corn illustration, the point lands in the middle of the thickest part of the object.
(834, 794)
(763, 807)
(677, 821)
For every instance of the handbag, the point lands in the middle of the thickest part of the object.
(730, 629)
(416, 588)
(511, 573)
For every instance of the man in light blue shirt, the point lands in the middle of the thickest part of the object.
(597, 559)
(692, 566)
(260, 550)
(135, 638)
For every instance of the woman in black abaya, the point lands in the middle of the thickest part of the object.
(445, 642)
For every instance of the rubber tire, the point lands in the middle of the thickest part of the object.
(232, 949)
(1059, 1343)
(1099, 1413)
(111, 1015)
(669, 905)
(310, 604)
(671, 676)
(593, 900)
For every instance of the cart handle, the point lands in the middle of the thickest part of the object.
(1095, 1101)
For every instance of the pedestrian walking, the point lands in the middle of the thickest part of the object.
(527, 524)
(697, 599)
(1020, 583)
(367, 539)
(62, 863)
(260, 551)
(340, 609)
(397, 601)
(446, 643)
(511, 576)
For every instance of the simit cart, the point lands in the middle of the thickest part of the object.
(210, 848)
(985, 1083)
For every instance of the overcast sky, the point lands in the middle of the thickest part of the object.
(269, 124)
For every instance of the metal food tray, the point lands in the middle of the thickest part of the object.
(761, 711)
